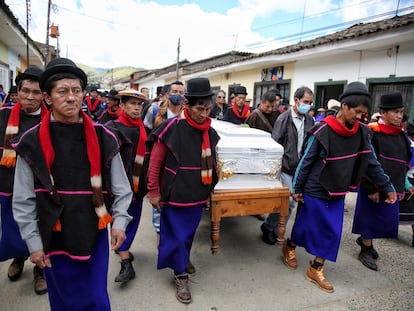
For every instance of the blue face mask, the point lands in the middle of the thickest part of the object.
(176, 99)
(304, 108)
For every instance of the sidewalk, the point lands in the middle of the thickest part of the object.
(247, 275)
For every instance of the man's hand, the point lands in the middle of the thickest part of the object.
(155, 201)
(391, 197)
(298, 197)
(117, 238)
(39, 258)
(375, 197)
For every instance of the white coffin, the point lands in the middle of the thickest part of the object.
(247, 157)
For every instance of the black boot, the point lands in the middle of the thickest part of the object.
(127, 271)
(190, 269)
(365, 256)
(373, 251)
(269, 237)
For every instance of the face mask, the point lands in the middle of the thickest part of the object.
(304, 108)
(176, 99)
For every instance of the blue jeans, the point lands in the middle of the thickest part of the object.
(272, 220)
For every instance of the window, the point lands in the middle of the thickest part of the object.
(406, 89)
(324, 91)
(262, 87)
(4, 77)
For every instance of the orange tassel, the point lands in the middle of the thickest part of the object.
(8, 161)
(104, 221)
(57, 226)
(207, 180)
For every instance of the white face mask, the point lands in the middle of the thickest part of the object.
(303, 108)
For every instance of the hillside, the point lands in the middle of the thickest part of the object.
(107, 76)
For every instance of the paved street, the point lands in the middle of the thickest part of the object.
(247, 274)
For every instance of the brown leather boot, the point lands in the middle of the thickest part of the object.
(316, 276)
(39, 281)
(16, 269)
(183, 293)
(289, 257)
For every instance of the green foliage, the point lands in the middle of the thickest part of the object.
(105, 76)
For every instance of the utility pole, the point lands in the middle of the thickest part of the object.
(27, 30)
(178, 60)
(49, 3)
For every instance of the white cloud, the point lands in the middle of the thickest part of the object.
(266, 8)
(110, 34)
(357, 9)
(106, 33)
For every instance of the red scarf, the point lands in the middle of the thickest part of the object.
(140, 152)
(94, 157)
(385, 128)
(206, 159)
(8, 158)
(94, 106)
(340, 128)
(113, 114)
(245, 112)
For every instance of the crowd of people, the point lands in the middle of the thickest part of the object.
(74, 167)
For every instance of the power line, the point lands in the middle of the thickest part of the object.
(307, 17)
(326, 28)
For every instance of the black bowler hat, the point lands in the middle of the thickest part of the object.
(31, 73)
(62, 65)
(391, 101)
(198, 88)
(355, 88)
(113, 95)
(239, 90)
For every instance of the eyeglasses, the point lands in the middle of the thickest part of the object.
(220, 97)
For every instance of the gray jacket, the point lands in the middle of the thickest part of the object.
(285, 133)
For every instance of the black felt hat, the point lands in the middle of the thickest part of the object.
(239, 90)
(62, 65)
(113, 94)
(31, 73)
(355, 88)
(391, 101)
(198, 88)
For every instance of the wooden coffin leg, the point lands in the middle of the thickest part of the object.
(284, 211)
(215, 236)
(215, 217)
(281, 230)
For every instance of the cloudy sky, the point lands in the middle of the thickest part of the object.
(141, 33)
